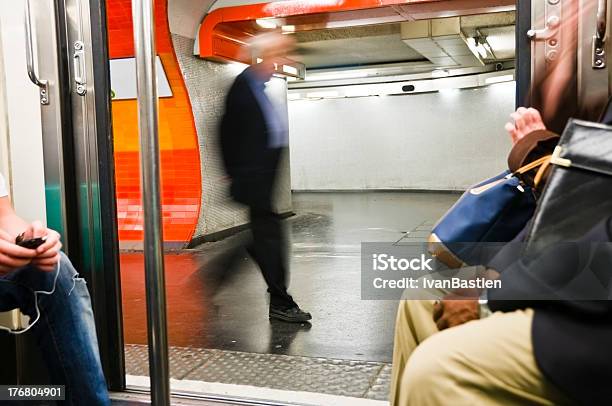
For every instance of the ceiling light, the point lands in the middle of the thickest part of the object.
(501, 42)
(266, 23)
(440, 73)
(291, 70)
(482, 51)
(286, 29)
(499, 79)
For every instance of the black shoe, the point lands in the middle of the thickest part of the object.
(289, 314)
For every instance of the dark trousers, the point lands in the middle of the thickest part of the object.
(268, 249)
(254, 188)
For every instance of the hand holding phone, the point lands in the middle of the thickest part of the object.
(31, 243)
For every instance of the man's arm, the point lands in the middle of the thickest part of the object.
(11, 255)
(44, 257)
(10, 222)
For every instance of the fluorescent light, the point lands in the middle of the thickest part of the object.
(266, 23)
(440, 73)
(481, 50)
(501, 42)
(259, 60)
(477, 49)
(499, 79)
(288, 29)
(290, 70)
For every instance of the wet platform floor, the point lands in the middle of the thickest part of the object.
(325, 235)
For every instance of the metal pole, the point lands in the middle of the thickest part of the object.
(144, 45)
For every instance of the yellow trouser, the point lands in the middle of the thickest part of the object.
(484, 362)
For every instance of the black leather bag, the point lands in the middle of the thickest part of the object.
(578, 193)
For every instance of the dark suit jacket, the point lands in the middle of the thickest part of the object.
(572, 339)
(244, 146)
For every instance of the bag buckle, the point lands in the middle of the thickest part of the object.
(558, 160)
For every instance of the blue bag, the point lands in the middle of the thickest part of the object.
(493, 211)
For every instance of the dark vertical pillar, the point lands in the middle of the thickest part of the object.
(107, 300)
(523, 52)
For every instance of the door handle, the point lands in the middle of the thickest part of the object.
(78, 60)
(552, 24)
(599, 44)
(43, 85)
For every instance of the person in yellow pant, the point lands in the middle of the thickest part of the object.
(481, 362)
(454, 352)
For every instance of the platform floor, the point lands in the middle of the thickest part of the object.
(357, 379)
(231, 320)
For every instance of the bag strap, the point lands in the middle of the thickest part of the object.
(540, 175)
(545, 160)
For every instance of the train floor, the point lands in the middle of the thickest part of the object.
(220, 334)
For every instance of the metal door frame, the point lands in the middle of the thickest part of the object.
(85, 49)
(523, 52)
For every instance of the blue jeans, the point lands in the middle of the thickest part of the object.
(65, 331)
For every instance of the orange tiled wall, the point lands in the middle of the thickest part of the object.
(180, 158)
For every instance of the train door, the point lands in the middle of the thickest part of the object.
(56, 51)
(570, 51)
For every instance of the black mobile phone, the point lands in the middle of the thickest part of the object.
(32, 243)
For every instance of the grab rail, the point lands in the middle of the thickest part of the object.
(42, 84)
(599, 49)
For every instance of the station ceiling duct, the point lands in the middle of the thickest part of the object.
(441, 41)
(224, 32)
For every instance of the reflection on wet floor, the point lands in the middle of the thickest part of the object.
(325, 279)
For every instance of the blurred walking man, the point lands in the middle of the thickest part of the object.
(254, 136)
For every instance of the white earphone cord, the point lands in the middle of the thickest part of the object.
(17, 332)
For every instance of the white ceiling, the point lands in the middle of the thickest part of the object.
(184, 16)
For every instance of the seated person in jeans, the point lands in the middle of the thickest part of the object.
(60, 313)
(526, 352)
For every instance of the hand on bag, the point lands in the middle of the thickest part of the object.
(12, 256)
(451, 312)
(525, 122)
